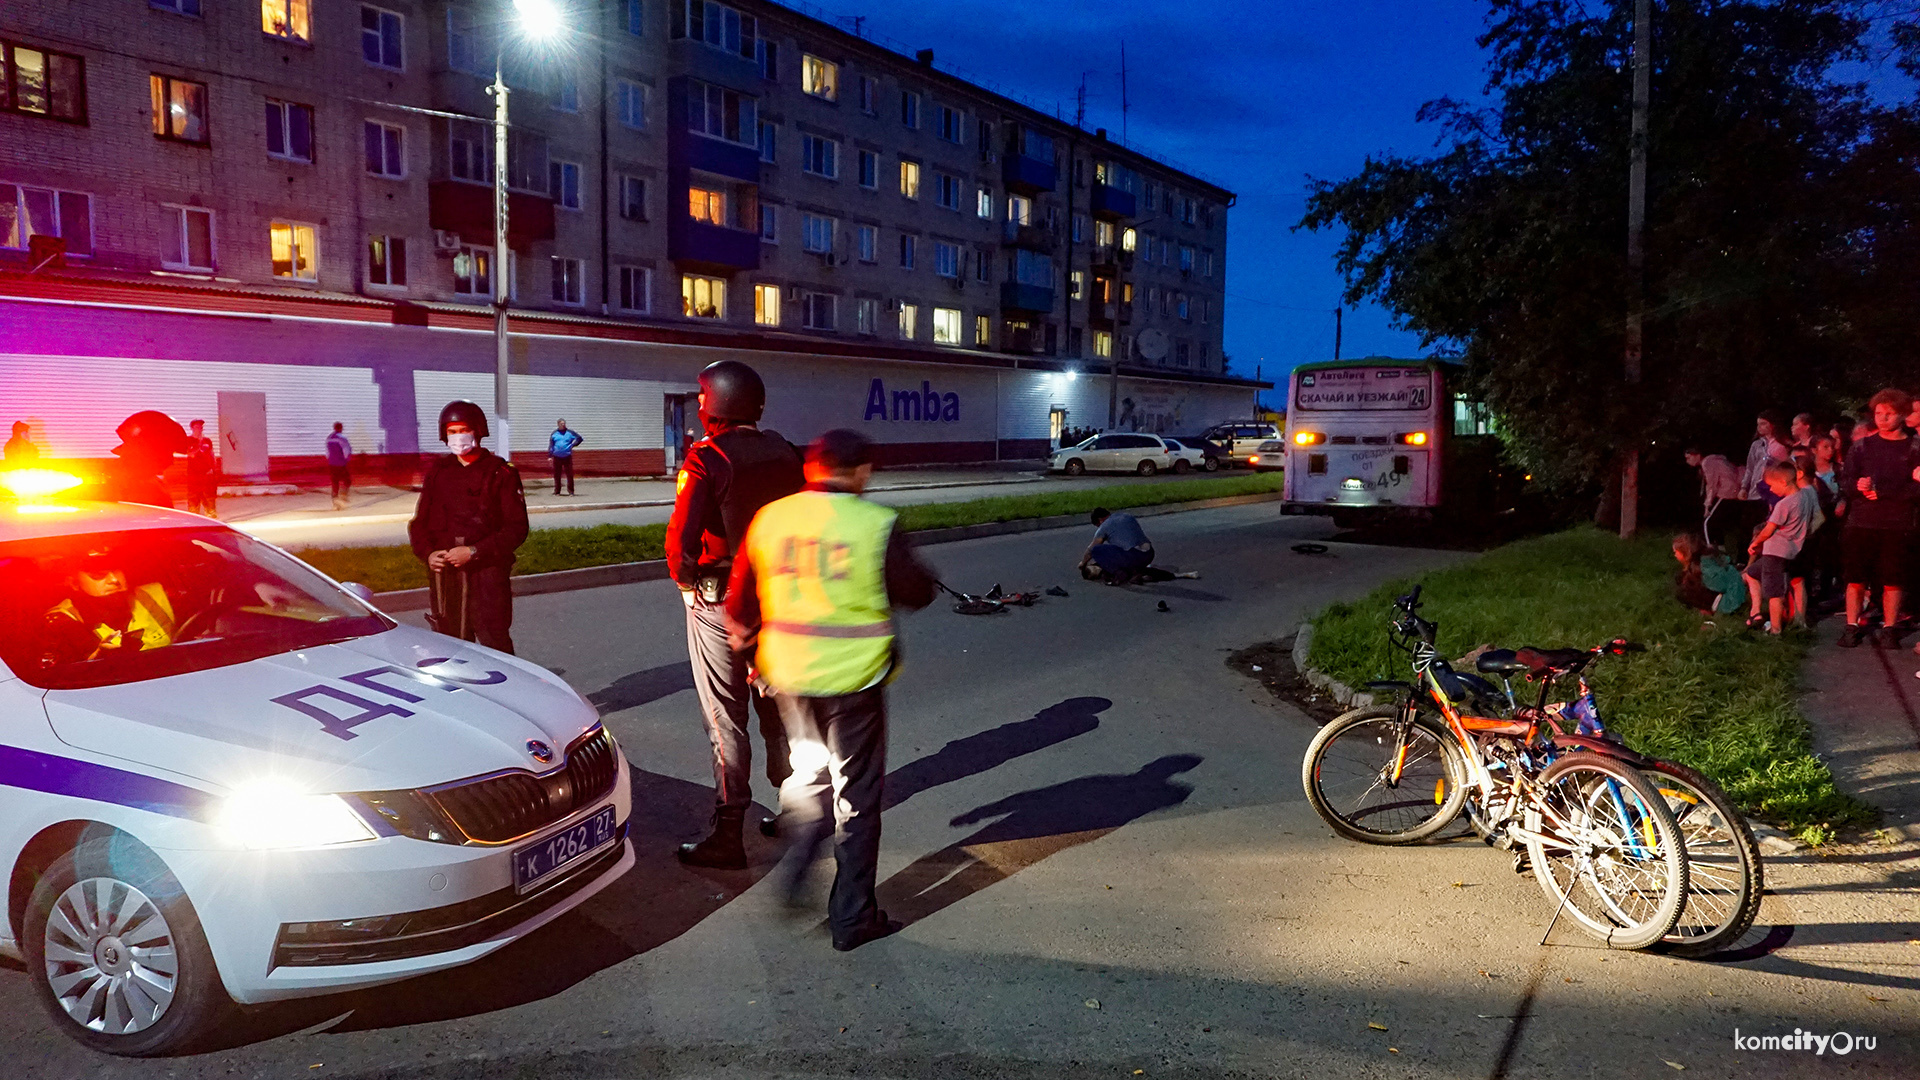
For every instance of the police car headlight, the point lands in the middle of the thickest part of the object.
(275, 815)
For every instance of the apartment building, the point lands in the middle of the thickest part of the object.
(281, 212)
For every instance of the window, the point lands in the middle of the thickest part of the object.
(869, 169)
(385, 146)
(1128, 238)
(387, 260)
(636, 19)
(946, 326)
(44, 83)
(817, 310)
(1186, 257)
(982, 331)
(820, 78)
(289, 130)
(186, 236)
(818, 233)
(1206, 263)
(566, 92)
(769, 141)
(1166, 301)
(766, 54)
(1079, 228)
(1205, 305)
(1146, 203)
(1034, 144)
(1033, 268)
(869, 239)
(1102, 344)
(819, 156)
(769, 224)
(564, 182)
(468, 47)
(27, 212)
(869, 95)
(766, 305)
(633, 198)
(983, 266)
(985, 138)
(382, 38)
(946, 259)
(866, 314)
(1073, 340)
(983, 202)
(636, 289)
(470, 152)
(472, 271)
(908, 249)
(1103, 234)
(910, 108)
(295, 251)
(286, 19)
(953, 124)
(719, 26)
(703, 297)
(1076, 284)
(946, 191)
(708, 205)
(179, 109)
(909, 321)
(1186, 211)
(1182, 354)
(630, 99)
(720, 113)
(1019, 210)
(910, 179)
(183, 7)
(1182, 307)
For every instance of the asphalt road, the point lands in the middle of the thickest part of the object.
(1100, 845)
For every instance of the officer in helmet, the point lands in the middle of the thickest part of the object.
(728, 476)
(471, 518)
(148, 441)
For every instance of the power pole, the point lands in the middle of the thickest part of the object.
(1636, 249)
(1336, 332)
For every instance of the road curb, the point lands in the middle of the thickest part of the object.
(1332, 687)
(594, 577)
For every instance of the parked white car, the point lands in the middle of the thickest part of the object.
(1188, 458)
(225, 778)
(1114, 452)
(1270, 457)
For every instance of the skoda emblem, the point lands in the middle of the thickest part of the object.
(541, 752)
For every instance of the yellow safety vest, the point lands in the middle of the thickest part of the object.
(151, 617)
(819, 558)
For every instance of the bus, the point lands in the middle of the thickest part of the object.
(1377, 439)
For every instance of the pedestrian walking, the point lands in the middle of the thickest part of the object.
(729, 475)
(815, 589)
(20, 449)
(471, 518)
(1878, 492)
(340, 466)
(203, 480)
(560, 446)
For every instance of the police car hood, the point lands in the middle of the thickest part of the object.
(402, 709)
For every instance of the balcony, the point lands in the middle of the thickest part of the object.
(1112, 202)
(1032, 237)
(1110, 260)
(1027, 175)
(702, 246)
(1019, 296)
(458, 207)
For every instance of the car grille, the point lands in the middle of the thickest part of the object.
(496, 809)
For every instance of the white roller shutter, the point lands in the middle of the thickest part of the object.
(611, 414)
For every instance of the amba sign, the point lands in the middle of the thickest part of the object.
(926, 404)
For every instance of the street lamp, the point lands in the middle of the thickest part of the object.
(537, 20)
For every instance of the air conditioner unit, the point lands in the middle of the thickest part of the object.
(446, 242)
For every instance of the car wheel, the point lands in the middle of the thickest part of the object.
(1076, 467)
(1211, 464)
(1183, 466)
(1147, 468)
(117, 955)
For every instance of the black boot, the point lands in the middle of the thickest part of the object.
(722, 850)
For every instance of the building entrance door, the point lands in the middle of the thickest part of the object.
(1056, 425)
(680, 427)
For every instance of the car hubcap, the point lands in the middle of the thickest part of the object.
(110, 957)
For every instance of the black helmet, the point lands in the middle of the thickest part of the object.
(732, 391)
(153, 431)
(465, 412)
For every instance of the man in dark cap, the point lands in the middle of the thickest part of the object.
(728, 476)
(471, 518)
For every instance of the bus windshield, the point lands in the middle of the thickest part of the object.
(1365, 389)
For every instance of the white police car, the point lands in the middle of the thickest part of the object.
(224, 778)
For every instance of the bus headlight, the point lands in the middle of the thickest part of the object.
(1308, 438)
(268, 814)
(1411, 438)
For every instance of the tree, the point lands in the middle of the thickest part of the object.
(1780, 225)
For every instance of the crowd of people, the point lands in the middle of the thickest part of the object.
(1820, 516)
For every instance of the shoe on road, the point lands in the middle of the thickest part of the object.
(876, 928)
(1849, 637)
(722, 850)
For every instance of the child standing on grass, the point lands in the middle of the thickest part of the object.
(1708, 582)
(1777, 543)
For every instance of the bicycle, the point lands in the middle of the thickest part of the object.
(1600, 838)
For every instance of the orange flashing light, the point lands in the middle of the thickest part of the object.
(37, 483)
(1308, 438)
(1414, 438)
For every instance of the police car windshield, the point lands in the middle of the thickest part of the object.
(107, 608)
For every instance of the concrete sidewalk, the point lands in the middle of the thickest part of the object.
(1864, 706)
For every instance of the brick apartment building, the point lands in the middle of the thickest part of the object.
(276, 214)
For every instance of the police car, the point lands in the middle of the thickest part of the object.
(226, 778)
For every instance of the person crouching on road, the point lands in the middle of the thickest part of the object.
(815, 586)
(1120, 548)
(728, 476)
(471, 518)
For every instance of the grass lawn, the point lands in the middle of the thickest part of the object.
(1724, 701)
(384, 569)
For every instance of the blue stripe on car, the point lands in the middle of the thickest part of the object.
(56, 775)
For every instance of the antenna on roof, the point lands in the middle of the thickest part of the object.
(1080, 103)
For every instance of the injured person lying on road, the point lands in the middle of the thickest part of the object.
(1121, 554)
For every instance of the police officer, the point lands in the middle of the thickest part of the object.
(148, 441)
(818, 580)
(728, 476)
(471, 517)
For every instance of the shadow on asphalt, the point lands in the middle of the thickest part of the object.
(638, 688)
(994, 747)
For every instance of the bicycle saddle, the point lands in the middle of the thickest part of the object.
(1502, 662)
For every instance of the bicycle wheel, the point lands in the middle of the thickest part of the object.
(1381, 779)
(1724, 875)
(1605, 848)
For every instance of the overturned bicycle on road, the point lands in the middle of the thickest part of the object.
(226, 778)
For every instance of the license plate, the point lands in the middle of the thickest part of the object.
(537, 862)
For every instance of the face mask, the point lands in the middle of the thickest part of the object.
(462, 442)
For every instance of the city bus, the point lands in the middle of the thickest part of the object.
(1374, 439)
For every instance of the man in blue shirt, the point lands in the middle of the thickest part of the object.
(339, 456)
(1120, 547)
(560, 446)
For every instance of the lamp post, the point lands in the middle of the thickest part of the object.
(536, 19)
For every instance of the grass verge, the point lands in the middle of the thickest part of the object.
(1723, 701)
(384, 569)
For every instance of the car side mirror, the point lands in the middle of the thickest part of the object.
(358, 590)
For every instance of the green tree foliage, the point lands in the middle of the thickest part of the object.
(1781, 242)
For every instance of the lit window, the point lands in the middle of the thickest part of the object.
(708, 205)
(294, 250)
(387, 260)
(946, 259)
(1128, 238)
(382, 38)
(564, 182)
(983, 203)
(766, 305)
(635, 282)
(1076, 284)
(946, 326)
(817, 310)
(1019, 210)
(633, 198)
(818, 233)
(869, 243)
(820, 156)
(910, 179)
(909, 321)
(472, 271)
(631, 101)
(1103, 234)
(820, 78)
(982, 331)
(27, 212)
(186, 241)
(703, 297)
(45, 83)
(869, 169)
(568, 281)
(385, 146)
(1102, 344)
(286, 19)
(179, 108)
